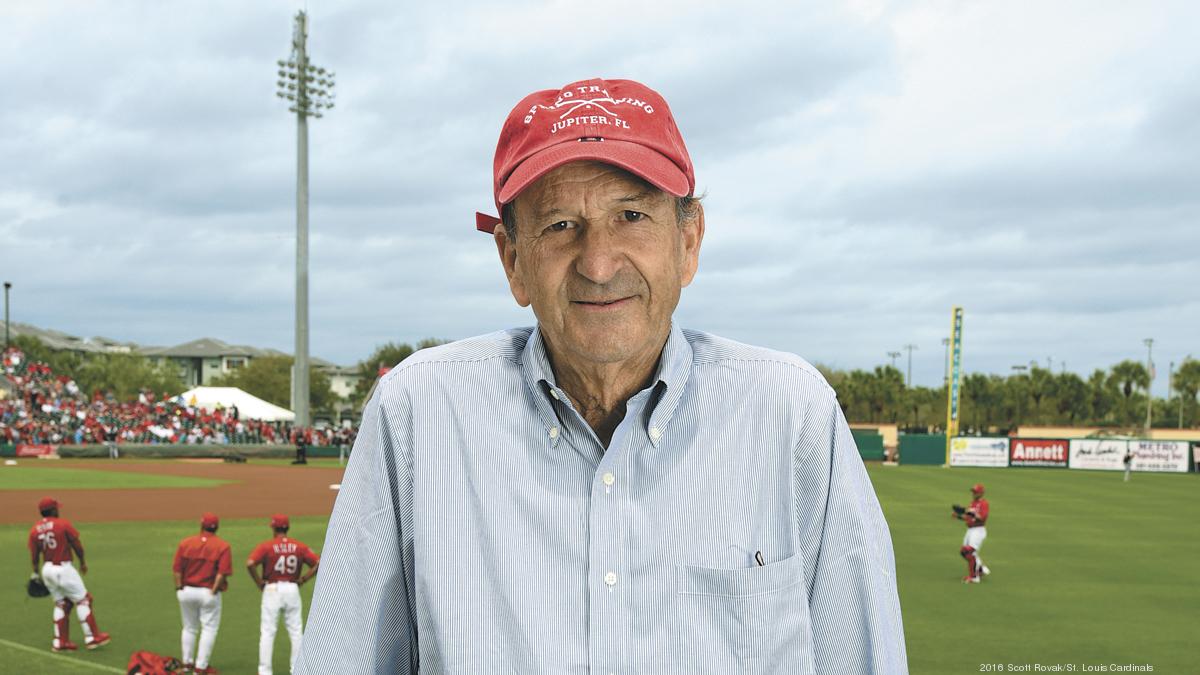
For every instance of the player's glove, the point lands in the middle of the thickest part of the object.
(959, 510)
(35, 588)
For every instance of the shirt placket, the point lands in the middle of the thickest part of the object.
(608, 583)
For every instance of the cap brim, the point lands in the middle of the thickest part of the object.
(637, 159)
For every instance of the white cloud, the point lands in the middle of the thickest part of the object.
(868, 165)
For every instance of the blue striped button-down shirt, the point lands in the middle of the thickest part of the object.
(482, 527)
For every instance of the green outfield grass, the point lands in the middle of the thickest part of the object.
(1085, 570)
(50, 477)
(130, 577)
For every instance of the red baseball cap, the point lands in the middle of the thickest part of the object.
(977, 488)
(279, 520)
(47, 503)
(209, 520)
(618, 122)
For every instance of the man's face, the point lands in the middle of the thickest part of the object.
(601, 256)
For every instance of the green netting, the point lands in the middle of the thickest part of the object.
(869, 442)
(923, 449)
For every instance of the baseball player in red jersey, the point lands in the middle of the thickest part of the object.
(203, 564)
(281, 559)
(976, 516)
(54, 539)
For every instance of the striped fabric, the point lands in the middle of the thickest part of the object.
(482, 527)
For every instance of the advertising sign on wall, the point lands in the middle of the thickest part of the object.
(1159, 455)
(970, 451)
(1102, 454)
(35, 450)
(1039, 452)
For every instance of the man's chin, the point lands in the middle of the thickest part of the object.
(604, 345)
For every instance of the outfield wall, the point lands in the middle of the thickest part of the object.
(1091, 454)
(168, 451)
(870, 444)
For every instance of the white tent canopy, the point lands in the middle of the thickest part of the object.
(250, 407)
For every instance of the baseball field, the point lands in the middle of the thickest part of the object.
(1088, 573)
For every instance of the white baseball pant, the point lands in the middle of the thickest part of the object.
(974, 538)
(201, 611)
(277, 597)
(64, 583)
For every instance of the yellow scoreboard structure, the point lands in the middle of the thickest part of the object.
(955, 384)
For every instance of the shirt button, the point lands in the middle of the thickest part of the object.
(554, 393)
(610, 579)
(609, 479)
(655, 433)
(553, 432)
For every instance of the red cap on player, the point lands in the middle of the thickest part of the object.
(47, 503)
(618, 122)
(977, 488)
(209, 520)
(279, 520)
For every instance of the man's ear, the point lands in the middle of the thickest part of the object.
(507, 248)
(692, 231)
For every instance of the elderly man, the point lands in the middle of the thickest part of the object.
(605, 492)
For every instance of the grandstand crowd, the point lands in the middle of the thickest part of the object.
(48, 408)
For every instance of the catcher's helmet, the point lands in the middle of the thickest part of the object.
(977, 489)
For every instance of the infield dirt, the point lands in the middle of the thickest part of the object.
(254, 490)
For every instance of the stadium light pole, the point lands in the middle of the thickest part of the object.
(894, 355)
(1149, 342)
(910, 347)
(7, 285)
(309, 90)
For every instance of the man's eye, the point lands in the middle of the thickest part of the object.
(633, 216)
(559, 226)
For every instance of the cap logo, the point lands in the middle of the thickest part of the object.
(587, 97)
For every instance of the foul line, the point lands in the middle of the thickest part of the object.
(55, 655)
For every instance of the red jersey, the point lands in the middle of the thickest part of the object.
(201, 557)
(980, 509)
(53, 537)
(281, 559)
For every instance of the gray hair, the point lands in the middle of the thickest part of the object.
(686, 208)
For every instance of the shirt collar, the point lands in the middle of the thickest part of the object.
(672, 373)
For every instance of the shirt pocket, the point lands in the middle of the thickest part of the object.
(748, 621)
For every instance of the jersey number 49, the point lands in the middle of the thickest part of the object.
(287, 564)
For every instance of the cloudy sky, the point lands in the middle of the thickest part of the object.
(868, 165)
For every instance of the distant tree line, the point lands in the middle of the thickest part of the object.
(123, 376)
(998, 404)
(989, 403)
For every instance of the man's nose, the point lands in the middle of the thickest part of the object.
(600, 255)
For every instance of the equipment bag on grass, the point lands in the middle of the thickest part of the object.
(147, 663)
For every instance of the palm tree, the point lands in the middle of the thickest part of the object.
(1187, 383)
(1130, 376)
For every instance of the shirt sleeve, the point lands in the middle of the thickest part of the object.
(256, 555)
(178, 566)
(225, 564)
(361, 619)
(310, 556)
(854, 604)
(72, 534)
(33, 540)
